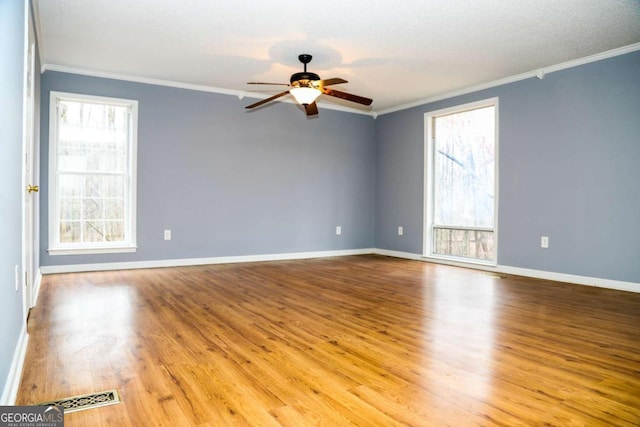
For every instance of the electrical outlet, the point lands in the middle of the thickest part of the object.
(544, 242)
(167, 234)
(338, 230)
(400, 230)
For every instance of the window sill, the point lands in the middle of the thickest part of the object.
(92, 251)
(459, 261)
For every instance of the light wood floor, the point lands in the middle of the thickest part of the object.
(360, 340)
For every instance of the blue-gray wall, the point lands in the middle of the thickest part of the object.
(569, 168)
(12, 20)
(229, 182)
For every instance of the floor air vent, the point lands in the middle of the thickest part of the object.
(496, 275)
(86, 401)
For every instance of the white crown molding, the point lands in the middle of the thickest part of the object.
(137, 79)
(539, 73)
(37, 28)
(180, 85)
(526, 272)
(10, 390)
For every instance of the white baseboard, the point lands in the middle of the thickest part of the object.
(398, 254)
(537, 274)
(53, 269)
(10, 391)
(36, 289)
(570, 278)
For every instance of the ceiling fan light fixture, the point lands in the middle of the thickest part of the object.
(305, 95)
(306, 87)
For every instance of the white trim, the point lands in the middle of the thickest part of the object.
(35, 6)
(511, 79)
(140, 79)
(398, 254)
(180, 85)
(537, 274)
(131, 176)
(375, 113)
(54, 269)
(427, 183)
(93, 250)
(461, 261)
(518, 271)
(10, 390)
(570, 278)
(428, 179)
(36, 288)
(28, 141)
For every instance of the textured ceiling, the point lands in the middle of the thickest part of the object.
(396, 52)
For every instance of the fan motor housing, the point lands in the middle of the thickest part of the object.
(305, 75)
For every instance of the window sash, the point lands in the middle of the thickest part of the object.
(464, 243)
(112, 190)
(433, 226)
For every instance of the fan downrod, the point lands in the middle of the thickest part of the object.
(305, 58)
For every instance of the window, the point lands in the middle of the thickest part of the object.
(461, 166)
(92, 179)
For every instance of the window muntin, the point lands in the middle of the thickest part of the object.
(92, 174)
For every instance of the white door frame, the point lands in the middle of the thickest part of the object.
(28, 167)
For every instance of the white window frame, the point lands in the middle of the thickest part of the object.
(427, 250)
(57, 248)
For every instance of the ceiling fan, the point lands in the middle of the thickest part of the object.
(307, 86)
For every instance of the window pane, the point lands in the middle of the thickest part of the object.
(70, 231)
(80, 157)
(70, 209)
(91, 197)
(113, 186)
(114, 209)
(92, 137)
(92, 209)
(114, 231)
(464, 156)
(93, 231)
(70, 186)
(464, 243)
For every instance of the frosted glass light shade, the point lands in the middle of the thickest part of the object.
(305, 95)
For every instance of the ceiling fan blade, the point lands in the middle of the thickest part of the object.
(264, 101)
(311, 109)
(333, 81)
(348, 96)
(268, 83)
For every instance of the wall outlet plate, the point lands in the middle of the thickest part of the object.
(544, 242)
(167, 234)
(338, 230)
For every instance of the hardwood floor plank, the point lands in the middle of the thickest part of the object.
(360, 340)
